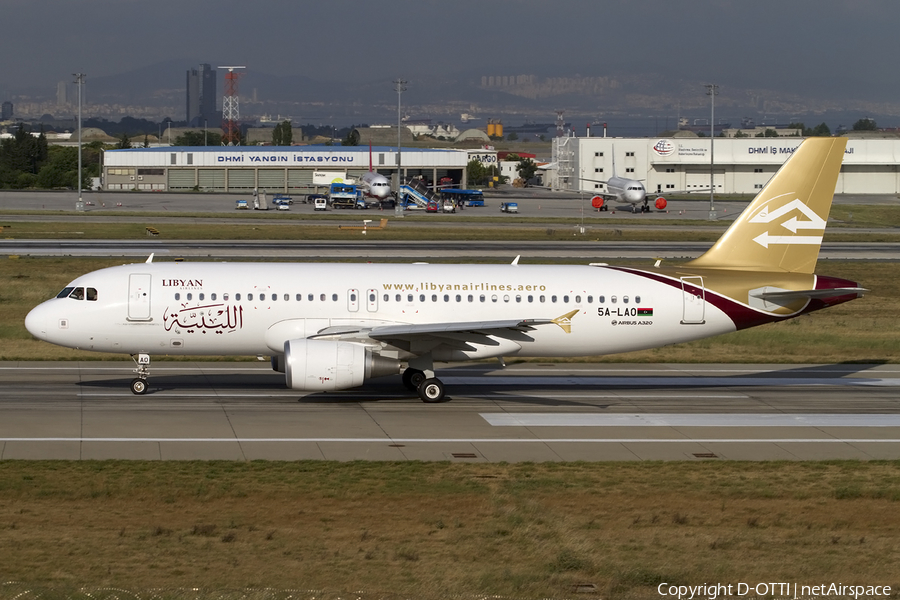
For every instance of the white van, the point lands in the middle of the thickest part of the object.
(320, 204)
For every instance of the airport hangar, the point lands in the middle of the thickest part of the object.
(741, 165)
(275, 169)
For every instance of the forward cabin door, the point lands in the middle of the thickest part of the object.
(353, 300)
(372, 300)
(139, 297)
(693, 297)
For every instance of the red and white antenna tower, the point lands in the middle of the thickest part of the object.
(231, 112)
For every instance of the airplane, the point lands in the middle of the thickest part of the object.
(632, 191)
(373, 184)
(334, 326)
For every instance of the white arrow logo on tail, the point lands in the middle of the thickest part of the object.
(765, 239)
(814, 222)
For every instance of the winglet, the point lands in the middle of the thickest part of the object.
(565, 321)
(150, 258)
(516, 259)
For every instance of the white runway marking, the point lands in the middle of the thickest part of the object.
(690, 420)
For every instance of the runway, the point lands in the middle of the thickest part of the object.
(525, 412)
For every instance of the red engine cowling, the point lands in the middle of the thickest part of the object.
(597, 201)
(661, 203)
(326, 365)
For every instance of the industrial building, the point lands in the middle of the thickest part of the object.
(740, 165)
(272, 168)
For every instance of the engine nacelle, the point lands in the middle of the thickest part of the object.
(661, 203)
(327, 365)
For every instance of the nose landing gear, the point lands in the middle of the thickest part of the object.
(139, 383)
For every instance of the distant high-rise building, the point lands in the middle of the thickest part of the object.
(201, 97)
(6, 112)
(62, 93)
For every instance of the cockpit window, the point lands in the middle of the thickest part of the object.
(77, 294)
(65, 292)
(92, 294)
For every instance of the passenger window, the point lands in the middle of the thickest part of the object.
(481, 297)
(518, 298)
(287, 297)
(299, 297)
(637, 299)
(399, 298)
(601, 299)
(553, 298)
(274, 297)
(201, 296)
(625, 299)
(310, 297)
(543, 298)
(177, 296)
(237, 297)
(493, 297)
(421, 297)
(372, 297)
(91, 294)
(590, 299)
(225, 297)
(212, 297)
(506, 297)
(322, 297)
(190, 296)
(352, 297)
(387, 297)
(249, 297)
(530, 298)
(612, 299)
(577, 299)
(458, 298)
(434, 297)
(334, 297)
(471, 298)
(65, 292)
(565, 299)
(409, 297)
(446, 297)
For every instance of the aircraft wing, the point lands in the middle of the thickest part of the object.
(452, 333)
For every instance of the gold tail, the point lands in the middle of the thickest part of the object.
(782, 228)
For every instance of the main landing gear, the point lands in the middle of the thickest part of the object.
(139, 383)
(419, 377)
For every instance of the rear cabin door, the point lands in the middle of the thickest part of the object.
(693, 297)
(372, 300)
(353, 300)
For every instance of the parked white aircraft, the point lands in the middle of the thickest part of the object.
(632, 191)
(333, 326)
(375, 185)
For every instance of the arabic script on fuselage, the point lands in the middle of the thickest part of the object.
(221, 318)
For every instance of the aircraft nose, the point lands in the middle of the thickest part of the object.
(36, 322)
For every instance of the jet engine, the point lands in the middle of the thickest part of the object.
(661, 203)
(327, 365)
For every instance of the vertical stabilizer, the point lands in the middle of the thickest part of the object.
(782, 228)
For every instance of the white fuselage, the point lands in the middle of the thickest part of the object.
(627, 190)
(252, 308)
(375, 185)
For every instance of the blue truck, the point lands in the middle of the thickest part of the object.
(345, 195)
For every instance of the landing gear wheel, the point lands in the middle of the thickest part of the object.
(431, 390)
(412, 378)
(138, 386)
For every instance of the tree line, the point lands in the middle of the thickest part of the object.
(27, 161)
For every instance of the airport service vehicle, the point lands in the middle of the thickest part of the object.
(464, 197)
(311, 198)
(433, 207)
(509, 207)
(241, 205)
(334, 326)
(279, 199)
(320, 203)
(283, 206)
(345, 195)
(448, 206)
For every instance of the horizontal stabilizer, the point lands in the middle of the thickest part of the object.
(800, 294)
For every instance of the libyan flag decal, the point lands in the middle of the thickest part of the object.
(645, 312)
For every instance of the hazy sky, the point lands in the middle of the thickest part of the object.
(846, 47)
